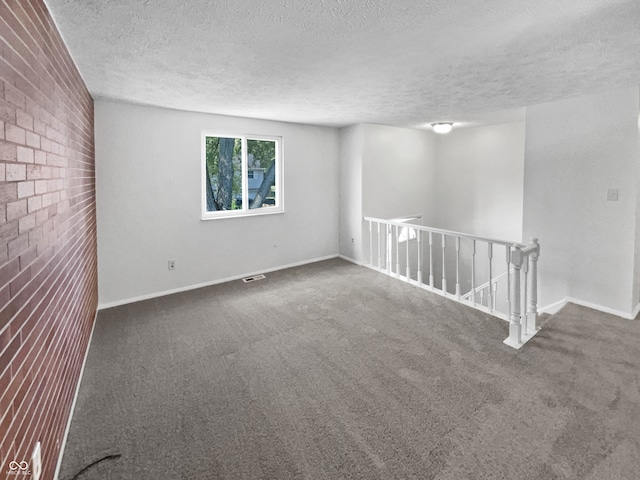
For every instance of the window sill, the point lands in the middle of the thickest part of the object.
(234, 214)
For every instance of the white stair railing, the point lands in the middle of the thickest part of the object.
(463, 268)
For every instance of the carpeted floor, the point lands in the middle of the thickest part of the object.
(333, 371)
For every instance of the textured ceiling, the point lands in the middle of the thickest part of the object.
(339, 62)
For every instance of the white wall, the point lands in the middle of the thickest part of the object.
(574, 151)
(385, 172)
(350, 200)
(636, 281)
(480, 183)
(470, 181)
(479, 191)
(149, 193)
(398, 171)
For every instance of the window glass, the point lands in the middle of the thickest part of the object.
(242, 175)
(261, 173)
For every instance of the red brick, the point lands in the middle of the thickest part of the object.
(35, 235)
(41, 187)
(14, 96)
(10, 350)
(8, 232)
(33, 172)
(34, 203)
(25, 155)
(15, 134)
(20, 281)
(38, 126)
(17, 246)
(8, 152)
(33, 139)
(5, 339)
(26, 223)
(27, 257)
(39, 88)
(5, 296)
(16, 210)
(24, 120)
(42, 216)
(40, 157)
(25, 189)
(7, 111)
(15, 172)
(4, 256)
(47, 199)
(8, 192)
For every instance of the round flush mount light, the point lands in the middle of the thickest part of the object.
(442, 127)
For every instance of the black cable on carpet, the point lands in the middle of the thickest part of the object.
(108, 457)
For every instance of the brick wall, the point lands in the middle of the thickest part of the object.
(48, 275)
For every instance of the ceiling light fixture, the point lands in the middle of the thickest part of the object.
(442, 127)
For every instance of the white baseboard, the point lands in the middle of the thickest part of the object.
(555, 307)
(600, 308)
(75, 398)
(352, 260)
(140, 298)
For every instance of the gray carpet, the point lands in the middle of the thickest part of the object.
(333, 371)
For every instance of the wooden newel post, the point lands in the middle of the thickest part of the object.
(515, 326)
(533, 288)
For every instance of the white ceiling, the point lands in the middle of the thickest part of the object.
(339, 62)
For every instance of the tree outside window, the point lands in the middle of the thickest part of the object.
(242, 175)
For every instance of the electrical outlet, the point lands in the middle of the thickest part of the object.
(612, 195)
(36, 462)
(172, 264)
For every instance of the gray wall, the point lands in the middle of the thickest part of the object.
(636, 274)
(350, 199)
(574, 151)
(547, 178)
(480, 183)
(398, 172)
(149, 193)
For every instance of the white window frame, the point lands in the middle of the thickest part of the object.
(246, 211)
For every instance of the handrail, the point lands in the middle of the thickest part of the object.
(406, 218)
(519, 262)
(452, 233)
(485, 285)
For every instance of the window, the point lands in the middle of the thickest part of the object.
(241, 175)
(407, 233)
